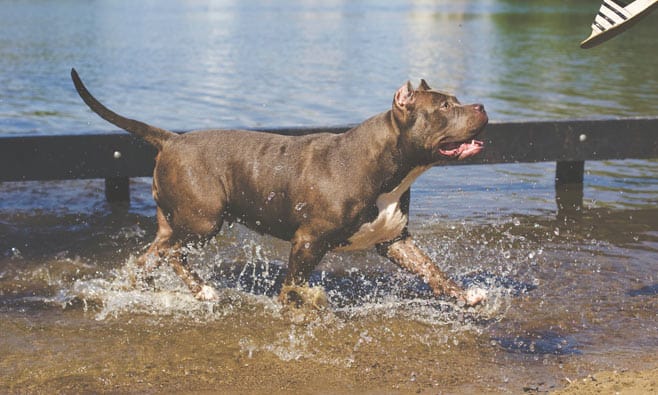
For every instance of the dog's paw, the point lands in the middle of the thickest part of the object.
(207, 294)
(475, 296)
(304, 296)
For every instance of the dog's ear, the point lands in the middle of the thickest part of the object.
(423, 86)
(404, 96)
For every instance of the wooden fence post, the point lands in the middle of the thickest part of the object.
(569, 177)
(117, 189)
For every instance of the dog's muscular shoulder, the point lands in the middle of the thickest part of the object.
(390, 221)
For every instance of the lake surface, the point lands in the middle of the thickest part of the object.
(566, 298)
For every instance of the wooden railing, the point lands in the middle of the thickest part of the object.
(116, 157)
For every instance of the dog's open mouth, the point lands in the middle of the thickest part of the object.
(461, 150)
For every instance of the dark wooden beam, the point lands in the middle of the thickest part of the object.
(74, 157)
(569, 177)
(117, 189)
(553, 141)
(122, 155)
(573, 140)
(118, 156)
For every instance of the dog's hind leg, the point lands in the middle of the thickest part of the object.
(168, 246)
(152, 258)
(177, 258)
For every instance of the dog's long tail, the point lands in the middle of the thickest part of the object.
(154, 136)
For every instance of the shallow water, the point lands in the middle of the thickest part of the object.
(565, 297)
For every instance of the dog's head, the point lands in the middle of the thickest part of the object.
(435, 125)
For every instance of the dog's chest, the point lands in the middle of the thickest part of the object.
(389, 222)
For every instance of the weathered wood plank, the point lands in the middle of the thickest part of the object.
(73, 157)
(122, 155)
(554, 141)
(572, 140)
(569, 187)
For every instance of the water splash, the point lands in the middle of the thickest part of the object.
(371, 301)
(165, 295)
(248, 290)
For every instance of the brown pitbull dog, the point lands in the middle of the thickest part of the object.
(322, 192)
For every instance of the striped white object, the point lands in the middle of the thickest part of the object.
(615, 16)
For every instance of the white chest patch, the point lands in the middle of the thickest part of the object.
(390, 222)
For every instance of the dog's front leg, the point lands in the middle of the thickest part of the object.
(305, 254)
(407, 254)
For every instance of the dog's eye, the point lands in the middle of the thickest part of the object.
(445, 105)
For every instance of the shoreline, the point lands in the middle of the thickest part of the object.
(630, 382)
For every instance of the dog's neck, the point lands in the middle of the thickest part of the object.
(385, 149)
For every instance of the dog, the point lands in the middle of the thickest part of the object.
(322, 192)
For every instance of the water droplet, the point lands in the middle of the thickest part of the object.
(271, 196)
(516, 222)
(16, 253)
(556, 231)
(299, 206)
(307, 245)
(258, 223)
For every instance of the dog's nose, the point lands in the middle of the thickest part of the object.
(479, 107)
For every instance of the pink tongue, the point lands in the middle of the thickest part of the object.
(465, 150)
(470, 149)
